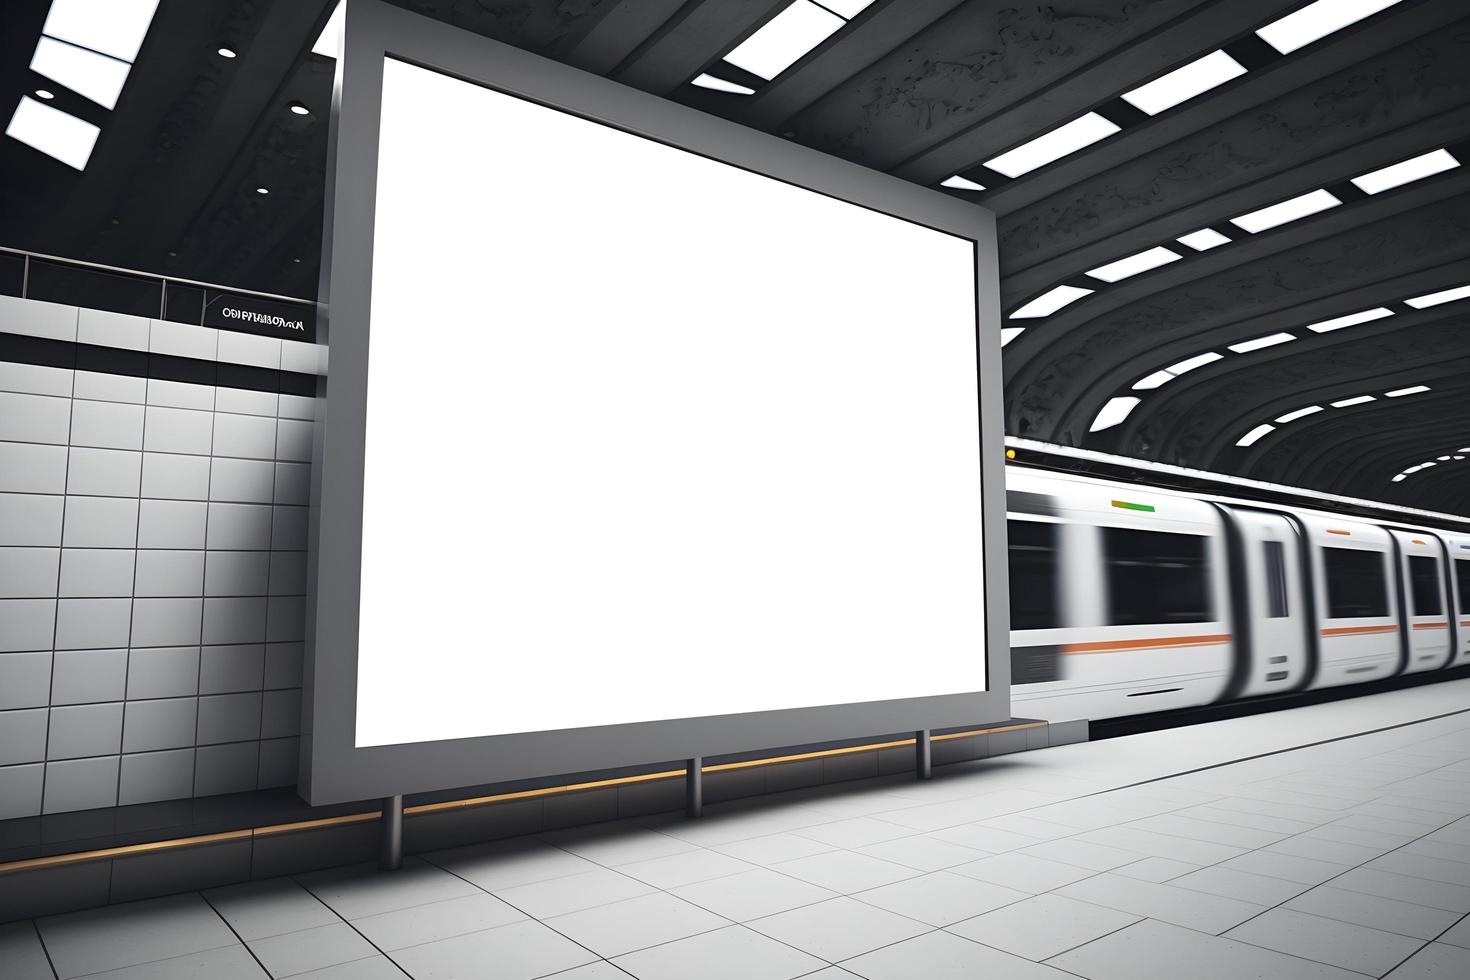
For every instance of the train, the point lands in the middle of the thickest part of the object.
(1128, 599)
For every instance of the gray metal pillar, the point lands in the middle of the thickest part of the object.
(390, 838)
(694, 787)
(922, 756)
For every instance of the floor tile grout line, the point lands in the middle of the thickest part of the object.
(234, 932)
(45, 950)
(348, 923)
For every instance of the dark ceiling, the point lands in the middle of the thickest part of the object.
(926, 89)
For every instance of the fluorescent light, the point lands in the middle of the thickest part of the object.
(1443, 296)
(1255, 435)
(1008, 334)
(1425, 466)
(299, 109)
(1198, 361)
(53, 132)
(959, 183)
(1260, 343)
(1401, 392)
(720, 85)
(113, 27)
(1349, 402)
(1406, 172)
(1443, 459)
(1400, 478)
(86, 73)
(1457, 457)
(226, 52)
(1351, 320)
(44, 94)
(784, 39)
(1203, 240)
(1300, 413)
(1292, 210)
(1156, 380)
(847, 8)
(1183, 84)
(1134, 264)
(262, 190)
(1065, 139)
(1114, 412)
(1050, 301)
(1317, 20)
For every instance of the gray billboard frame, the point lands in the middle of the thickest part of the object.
(333, 768)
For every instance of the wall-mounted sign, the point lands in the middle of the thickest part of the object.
(251, 314)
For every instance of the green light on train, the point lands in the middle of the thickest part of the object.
(1125, 505)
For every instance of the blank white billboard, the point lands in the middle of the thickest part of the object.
(651, 436)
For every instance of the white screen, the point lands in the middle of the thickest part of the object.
(650, 436)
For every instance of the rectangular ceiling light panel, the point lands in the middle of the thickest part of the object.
(329, 41)
(1351, 320)
(1115, 412)
(113, 27)
(1349, 402)
(1134, 264)
(1203, 240)
(1183, 84)
(1316, 21)
(1008, 334)
(847, 9)
(85, 72)
(1300, 413)
(1443, 296)
(1156, 380)
(1198, 361)
(1255, 435)
(1401, 392)
(784, 39)
(55, 133)
(959, 183)
(1050, 301)
(1060, 142)
(1260, 343)
(720, 85)
(1287, 211)
(1406, 172)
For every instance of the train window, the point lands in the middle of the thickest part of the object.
(1156, 577)
(1033, 560)
(1462, 579)
(1356, 585)
(1275, 558)
(1424, 583)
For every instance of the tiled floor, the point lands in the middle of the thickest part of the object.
(1344, 859)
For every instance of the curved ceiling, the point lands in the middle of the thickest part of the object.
(931, 91)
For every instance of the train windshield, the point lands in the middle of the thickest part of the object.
(1156, 577)
(1357, 587)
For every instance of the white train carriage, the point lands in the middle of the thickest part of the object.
(1128, 599)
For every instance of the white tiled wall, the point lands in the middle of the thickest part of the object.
(152, 572)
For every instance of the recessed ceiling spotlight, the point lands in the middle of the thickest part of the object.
(44, 94)
(262, 190)
(299, 109)
(226, 52)
(297, 261)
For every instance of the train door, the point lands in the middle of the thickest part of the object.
(1277, 614)
(1459, 560)
(1357, 601)
(1426, 612)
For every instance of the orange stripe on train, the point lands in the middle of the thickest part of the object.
(1431, 626)
(1352, 630)
(1153, 643)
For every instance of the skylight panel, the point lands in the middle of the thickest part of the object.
(847, 8)
(784, 39)
(1065, 139)
(720, 85)
(1114, 412)
(55, 133)
(1417, 168)
(1349, 402)
(1050, 301)
(329, 41)
(1401, 392)
(1184, 83)
(86, 73)
(1156, 380)
(1285, 212)
(1203, 240)
(1255, 435)
(959, 183)
(1300, 413)
(1134, 264)
(1351, 320)
(1443, 296)
(1316, 21)
(113, 27)
(1198, 361)
(1260, 343)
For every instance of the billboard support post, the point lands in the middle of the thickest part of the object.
(922, 754)
(694, 787)
(390, 834)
